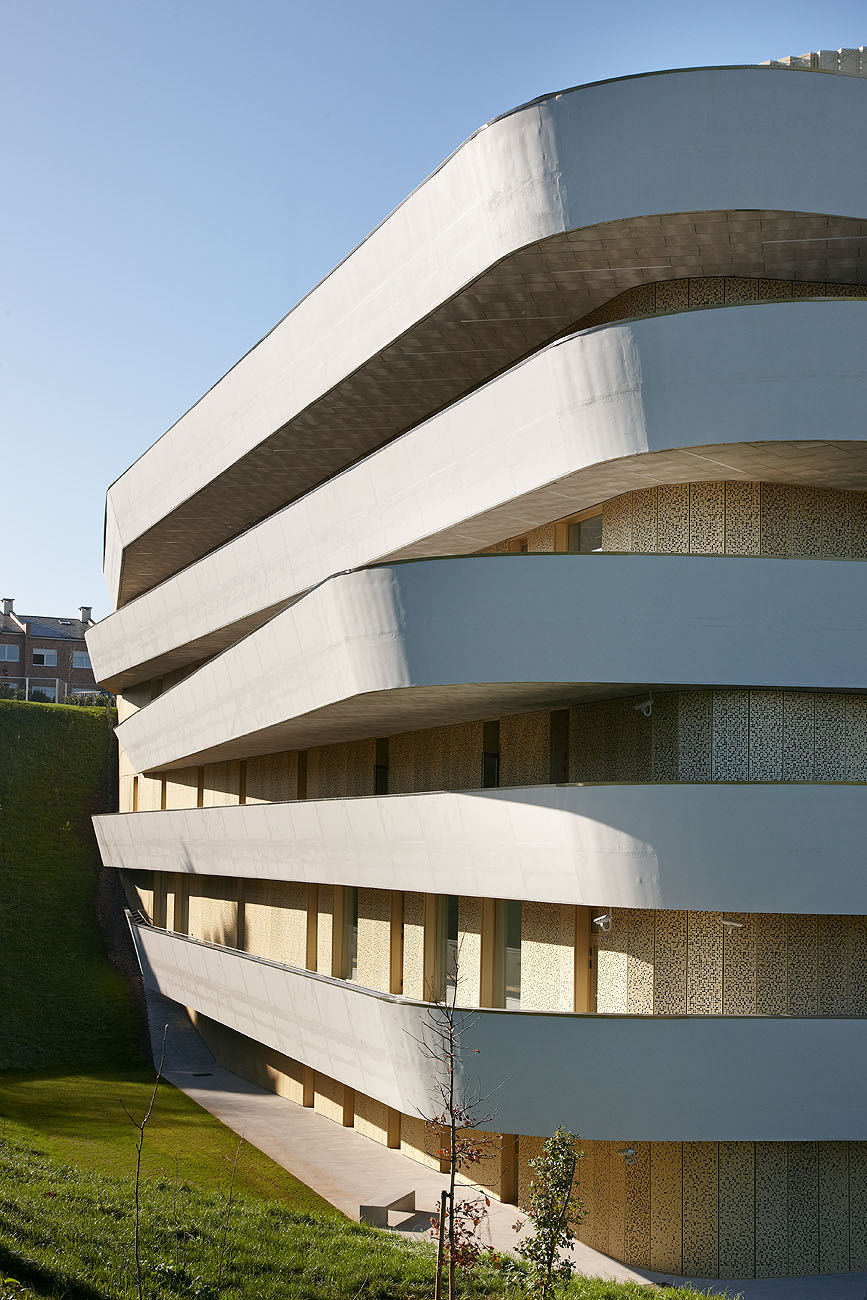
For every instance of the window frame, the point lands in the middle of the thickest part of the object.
(46, 687)
(520, 543)
(562, 526)
(448, 946)
(503, 913)
(350, 933)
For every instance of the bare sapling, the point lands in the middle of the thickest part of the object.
(228, 1217)
(138, 1150)
(455, 1116)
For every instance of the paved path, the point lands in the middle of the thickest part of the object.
(347, 1169)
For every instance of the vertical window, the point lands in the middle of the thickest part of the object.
(585, 535)
(350, 940)
(513, 955)
(507, 974)
(9, 653)
(80, 659)
(450, 945)
(380, 769)
(559, 747)
(491, 756)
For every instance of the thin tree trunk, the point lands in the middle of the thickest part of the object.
(452, 1166)
(228, 1215)
(439, 1278)
(139, 1145)
(560, 1224)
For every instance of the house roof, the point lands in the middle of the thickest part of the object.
(64, 629)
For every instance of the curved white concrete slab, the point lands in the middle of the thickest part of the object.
(480, 265)
(602, 412)
(687, 1078)
(400, 647)
(716, 848)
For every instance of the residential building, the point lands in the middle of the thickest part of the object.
(42, 658)
(508, 600)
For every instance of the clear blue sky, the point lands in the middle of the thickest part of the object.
(178, 173)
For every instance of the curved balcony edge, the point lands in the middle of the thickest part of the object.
(518, 182)
(687, 1078)
(605, 414)
(399, 647)
(716, 847)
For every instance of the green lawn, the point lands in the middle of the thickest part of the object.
(68, 1232)
(81, 1120)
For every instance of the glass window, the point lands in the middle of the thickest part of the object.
(80, 659)
(513, 956)
(490, 771)
(350, 917)
(10, 653)
(380, 769)
(491, 755)
(451, 946)
(585, 535)
(44, 658)
(43, 692)
(507, 955)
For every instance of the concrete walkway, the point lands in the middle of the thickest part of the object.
(349, 1170)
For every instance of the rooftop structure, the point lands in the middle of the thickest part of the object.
(497, 627)
(849, 62)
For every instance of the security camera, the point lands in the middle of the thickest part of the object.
(605, 921)
(628, 1154)
(645, 707)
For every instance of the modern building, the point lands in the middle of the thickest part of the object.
(509, 599)
(42, 658)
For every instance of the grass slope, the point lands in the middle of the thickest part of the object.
(63, 1002)
(83, 1120)
(68, 1233)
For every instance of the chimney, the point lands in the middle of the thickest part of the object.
(8, 602)
(84, 613)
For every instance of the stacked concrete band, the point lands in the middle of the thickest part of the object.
(508, 599)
